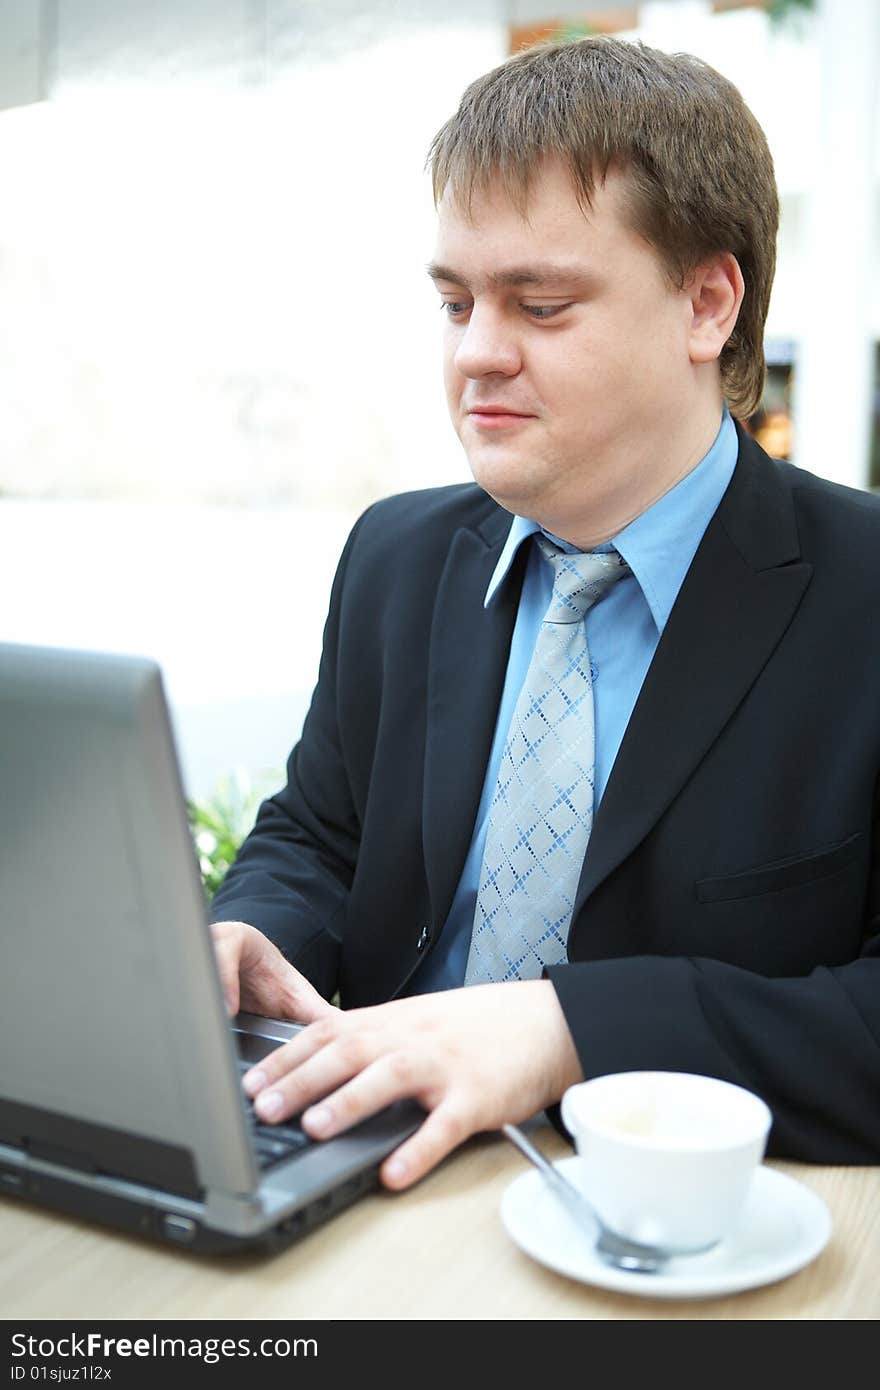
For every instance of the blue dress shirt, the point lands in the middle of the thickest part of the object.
(622, 634)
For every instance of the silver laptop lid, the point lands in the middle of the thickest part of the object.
(110, 1005)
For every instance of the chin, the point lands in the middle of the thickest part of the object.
(509, 481)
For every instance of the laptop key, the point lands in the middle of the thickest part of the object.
(271, 1150)
(291, 1134)
(273, 1143)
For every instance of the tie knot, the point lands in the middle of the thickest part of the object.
(579, 580)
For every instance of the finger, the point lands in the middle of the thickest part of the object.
(257, 977)
(317, 1078)
(376, 1080)
(443, 1130)
(272, 985)
(309, 1005)
(300, 1070)
(290, 1055)
(226, 954)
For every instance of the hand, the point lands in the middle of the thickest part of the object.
(475, 1058)
(256, 977)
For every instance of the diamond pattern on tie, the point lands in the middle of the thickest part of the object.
(542, 810)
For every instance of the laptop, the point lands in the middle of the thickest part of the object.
(120, 1069)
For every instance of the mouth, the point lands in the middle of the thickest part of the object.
(495, 417)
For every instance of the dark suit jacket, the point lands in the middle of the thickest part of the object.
(728, 916)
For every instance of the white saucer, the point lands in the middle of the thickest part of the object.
(783, 1227)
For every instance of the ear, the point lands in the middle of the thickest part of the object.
(716, 291)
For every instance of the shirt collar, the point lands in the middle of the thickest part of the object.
(660, 544)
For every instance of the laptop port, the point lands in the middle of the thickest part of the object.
(181, 1229)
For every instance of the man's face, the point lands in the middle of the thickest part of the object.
(566, 351)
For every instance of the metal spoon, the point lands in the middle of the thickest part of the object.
(613, 1249)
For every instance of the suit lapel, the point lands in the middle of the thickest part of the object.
(469, 648)
(738, 597)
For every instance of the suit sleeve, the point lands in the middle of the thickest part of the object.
(809, 1046)
(292, 875)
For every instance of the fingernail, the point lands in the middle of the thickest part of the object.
(254, 1081)
(319, 1119)
(395, 1169)
(268, 1104)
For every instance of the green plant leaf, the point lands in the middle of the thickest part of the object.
(221, 822)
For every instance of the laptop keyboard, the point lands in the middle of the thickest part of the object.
(274, 1143)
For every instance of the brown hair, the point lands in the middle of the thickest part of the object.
(699, 169)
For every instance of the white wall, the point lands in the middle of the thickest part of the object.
(214, 285)
(219, 341)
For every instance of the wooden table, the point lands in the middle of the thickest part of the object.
(438, 1251)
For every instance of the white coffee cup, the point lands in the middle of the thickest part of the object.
(666, 1158)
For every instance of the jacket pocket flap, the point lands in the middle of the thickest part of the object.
(783, 873)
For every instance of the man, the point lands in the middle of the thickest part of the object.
(589, 781)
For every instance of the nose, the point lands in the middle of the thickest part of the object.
(487, 345)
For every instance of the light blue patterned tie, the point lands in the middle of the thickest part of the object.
(542, 811)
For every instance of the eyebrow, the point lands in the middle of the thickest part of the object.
(539, 273)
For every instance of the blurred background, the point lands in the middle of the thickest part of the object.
(217, 340)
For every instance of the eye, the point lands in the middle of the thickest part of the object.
(454, 308)
(544, 311)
